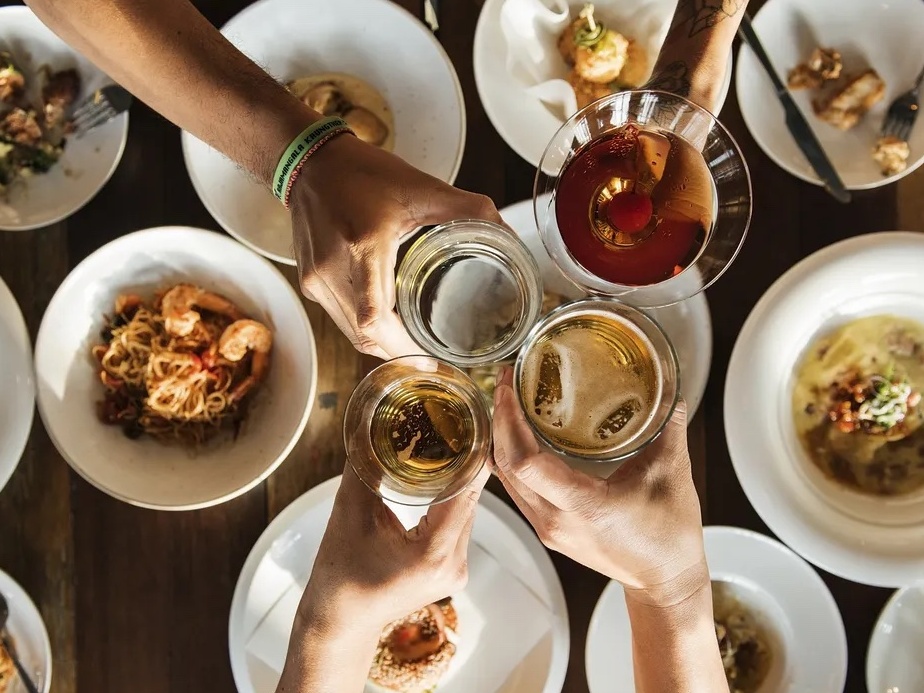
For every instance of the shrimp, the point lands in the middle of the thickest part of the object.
(177, 306)
(240, 337)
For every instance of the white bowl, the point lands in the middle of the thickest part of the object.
(523, 121)
(281, 562)
(29, 636)
(375, 40)
(875, 541)
(790, 598)
(146, 472)
(881, 35)
(894, 661)
(17, 384)
(88, 162)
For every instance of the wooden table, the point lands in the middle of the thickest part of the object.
(137, 600)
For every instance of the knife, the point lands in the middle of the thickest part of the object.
(795, 121)
(431, 14)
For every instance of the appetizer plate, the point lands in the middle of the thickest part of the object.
(375, 40)
(893, 661)
(29, 636)
(282, 558)
(88, 162)
(876, 541)
(147, 472)
(524, 122)
(17, 383)
(688, 324)
(806, 633)
(790, 30)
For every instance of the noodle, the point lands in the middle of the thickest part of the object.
(6, 670)
(175, 387)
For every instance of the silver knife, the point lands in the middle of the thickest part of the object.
(431, 15)
(795, 121)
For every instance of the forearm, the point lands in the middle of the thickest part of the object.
(695, 53)
(674, 648)
(168, 55)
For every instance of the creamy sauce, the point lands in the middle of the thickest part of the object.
(884, 463)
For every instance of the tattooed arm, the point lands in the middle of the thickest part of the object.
(694, 57)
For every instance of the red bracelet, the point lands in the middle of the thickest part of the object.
(315, 147)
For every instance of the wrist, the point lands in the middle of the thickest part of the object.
(685, 587)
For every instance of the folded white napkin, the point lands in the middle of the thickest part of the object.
(500, 622)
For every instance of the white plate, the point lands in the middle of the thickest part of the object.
(894, 661)
(523, 121)
(783, 589)
(29, 636)
(146, 472)
(871, 274)
(291, 541)
(882, 35)
(373, 39)
(17, 383)
(688, 324)
(88, 162)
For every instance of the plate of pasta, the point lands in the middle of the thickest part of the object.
(169, 379)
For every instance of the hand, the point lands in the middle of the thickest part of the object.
(371, 571)
(641, 526)
(351, 206)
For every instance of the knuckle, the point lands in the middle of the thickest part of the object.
(365, 342)
(485, 206)
(551, 532)
(368, 316)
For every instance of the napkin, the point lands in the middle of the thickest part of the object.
(500, 622)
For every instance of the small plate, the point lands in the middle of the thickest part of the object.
(147, 472)
(688, 324)
(523, 121)
(29, 636)
(286, 552)
(893, 662)
(789, 31)
(869, 540)
(89, 161)
(375, 40)
(789, 597)
(17, 383)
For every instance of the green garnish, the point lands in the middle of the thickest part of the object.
(590, 35)
(890, 402)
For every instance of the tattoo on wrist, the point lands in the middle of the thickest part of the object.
(699, 15)
(674, 78)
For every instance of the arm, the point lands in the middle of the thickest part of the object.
(693, 59)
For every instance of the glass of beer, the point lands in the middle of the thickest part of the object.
(597, 379)
(417, 430)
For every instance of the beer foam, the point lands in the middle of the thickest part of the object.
(575, 383)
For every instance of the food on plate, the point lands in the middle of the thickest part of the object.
(602, 60)
(7, 670)
(180, 367)
(823, 65)
(356, 101)
(33, 126)
(891, 154)
(857, 405)
(414, 652)
(844, 107)
(743, 641)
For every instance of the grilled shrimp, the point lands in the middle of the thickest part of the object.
(240, 337)
(179, 303)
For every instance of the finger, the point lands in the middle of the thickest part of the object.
(360, 503)
(446, 521)
(513, 438)
(664, 457)
(536, 510)
(449, 203)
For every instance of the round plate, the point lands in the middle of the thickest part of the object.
(375, 40)
(147, 472)
(790, 30)
(17, 384)
(688, 324)
(867, 275)
(893, 661)
(767, 577)
(29, 636)
(87, 162)
(524, 122)
(287, 548)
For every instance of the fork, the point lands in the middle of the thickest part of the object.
(903, 112)
(100, 107)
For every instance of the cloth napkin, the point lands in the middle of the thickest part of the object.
(500, 622)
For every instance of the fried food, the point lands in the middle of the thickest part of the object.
(844, 108)
(12, 81)
(823, 65)
(587, 92)
(892, 155)
(602, 60)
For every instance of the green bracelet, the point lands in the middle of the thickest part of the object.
(301, 147)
